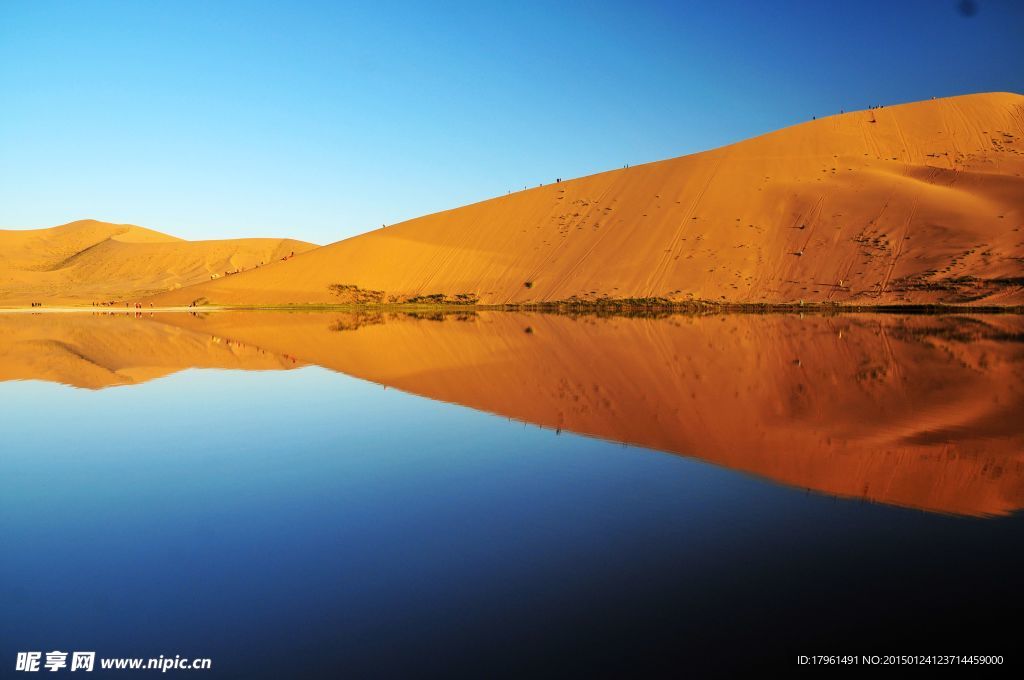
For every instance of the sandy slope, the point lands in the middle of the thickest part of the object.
(898, 204)
(89, 261)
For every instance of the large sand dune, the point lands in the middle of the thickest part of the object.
(89, 261)
(915, 203)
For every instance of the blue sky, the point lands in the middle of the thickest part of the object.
(320, 120)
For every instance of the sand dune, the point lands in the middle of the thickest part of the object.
(920, 412)
(89, 261)
(915, 203)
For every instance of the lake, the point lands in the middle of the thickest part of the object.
(502, 494)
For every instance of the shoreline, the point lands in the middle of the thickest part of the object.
(615, 308)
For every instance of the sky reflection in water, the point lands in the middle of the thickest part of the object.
(305, 521)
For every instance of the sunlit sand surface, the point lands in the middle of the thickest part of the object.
(916, 203)
(916, 411)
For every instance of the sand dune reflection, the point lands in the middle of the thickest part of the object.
(918, 411)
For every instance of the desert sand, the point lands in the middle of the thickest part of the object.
(919, 412)
(915, 203)
(88, 261)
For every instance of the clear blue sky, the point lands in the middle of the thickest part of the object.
(319, 120)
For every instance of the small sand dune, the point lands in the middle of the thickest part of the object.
(88, 261)
(915, 203)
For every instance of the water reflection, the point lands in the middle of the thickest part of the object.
(918, 411)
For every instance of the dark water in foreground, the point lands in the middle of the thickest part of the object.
(790, 486)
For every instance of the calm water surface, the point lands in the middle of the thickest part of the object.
(496, 494)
